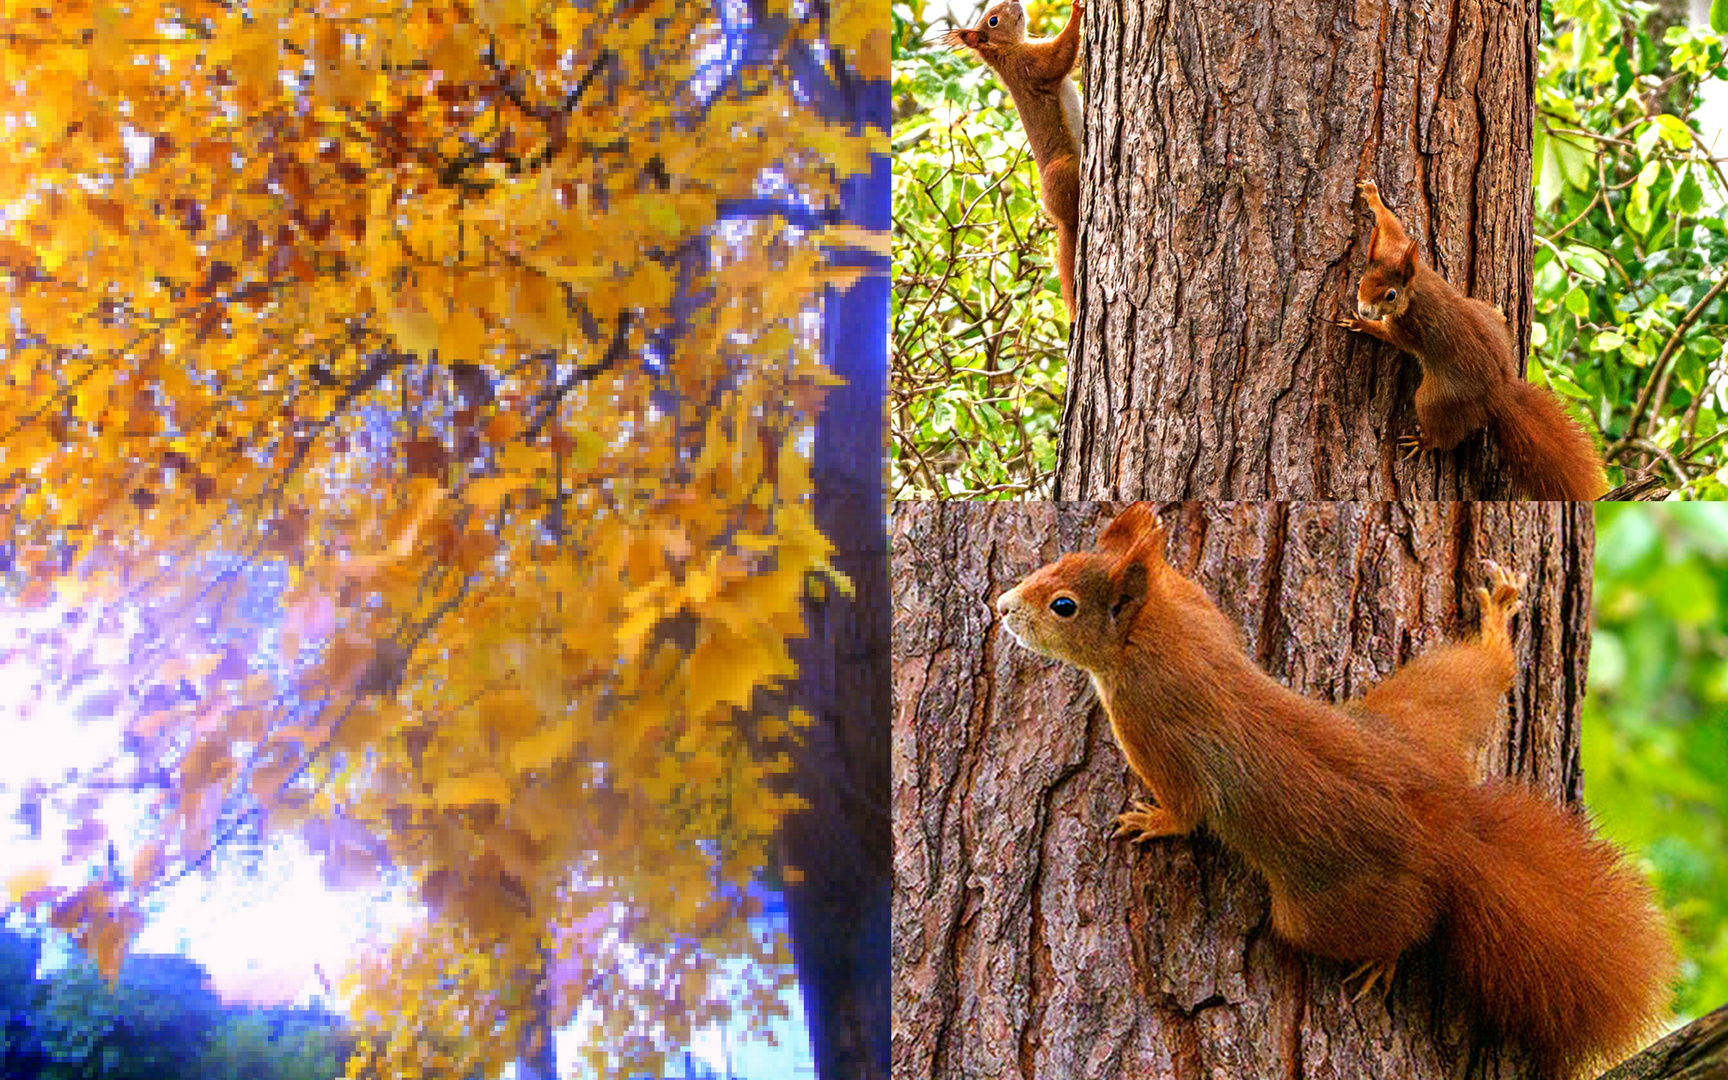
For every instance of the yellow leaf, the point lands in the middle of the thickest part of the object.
(472, 790)
(461, 337)
(146, 865)
(543, 748)
(634, 628)
(425, 504)
(22, 884)
(876, 243)
(415, 331)
(487, 492)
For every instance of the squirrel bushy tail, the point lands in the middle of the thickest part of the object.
(1554, 935)
(1550, 455)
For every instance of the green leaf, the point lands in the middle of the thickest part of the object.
(1675, 131)
(1688, 195)
(1607, 339)
(1719, 16)
(942, 419)
(1577, 162)
(1646, 138)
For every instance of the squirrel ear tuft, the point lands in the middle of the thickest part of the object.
(1407, 265)
(1135, 533)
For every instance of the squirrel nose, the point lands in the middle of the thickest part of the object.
(1366, 311)
(1006, 602)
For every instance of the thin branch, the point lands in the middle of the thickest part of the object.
(615, 352)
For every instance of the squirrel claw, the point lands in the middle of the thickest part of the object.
(1410, 446)
(1367, 187)
(1504, 590)
(1371, 972)
(1144, 822)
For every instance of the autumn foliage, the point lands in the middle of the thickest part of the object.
(430, 306)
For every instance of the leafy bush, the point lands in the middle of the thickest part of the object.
(275, 1044)
(980, 334)
(152, 1023)
(1631, 239)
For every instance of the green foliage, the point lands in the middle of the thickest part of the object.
(1656, 717)
(159, 1020)
(20, 998)
(276, 1044)
(1631, 239)
(980, 334)
(158, 1016)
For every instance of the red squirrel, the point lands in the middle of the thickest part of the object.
(1366, 821)
(1037, 76)
(1469, 378)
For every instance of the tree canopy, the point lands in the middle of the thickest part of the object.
(434, 314)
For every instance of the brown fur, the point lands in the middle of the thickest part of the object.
(1366, 821)
(1036, 73)
(1469, 379)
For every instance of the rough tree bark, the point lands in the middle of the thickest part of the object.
(1698, 1051)
(1220, 233)
(1026, 944)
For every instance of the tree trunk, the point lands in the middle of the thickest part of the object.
(1221, 233)
(840, 846)
(1027, 944)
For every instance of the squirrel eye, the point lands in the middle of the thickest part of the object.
(1391, 294)
(1064, 607)
(993, 20)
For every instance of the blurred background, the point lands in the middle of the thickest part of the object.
(1656, 719)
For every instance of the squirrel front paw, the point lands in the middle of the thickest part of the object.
(1368, 188)
(1502, 599)
(1351, 322)
(1145, 822)
(1079, 9)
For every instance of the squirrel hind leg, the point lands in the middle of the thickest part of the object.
(1449, 701)
(1059, 187)
(1501, 599)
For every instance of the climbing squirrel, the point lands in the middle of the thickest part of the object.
(1469, 379)
(1367, 821)
(1037, 76)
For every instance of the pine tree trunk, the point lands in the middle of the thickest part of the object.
(1221, 233)
(1026, 944)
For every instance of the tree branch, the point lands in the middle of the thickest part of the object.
(614, 353)
(1697, 1051)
